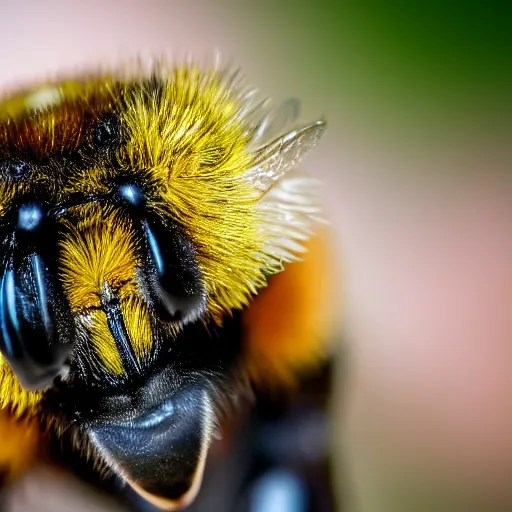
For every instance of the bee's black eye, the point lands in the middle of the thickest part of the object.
(16, 169)
(131, 194)
(33, 226)
(107, 132)
(30, 217)
(173, 279)
(35, 322)
(36, 336)
(19, 169)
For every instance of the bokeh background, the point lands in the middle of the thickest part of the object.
(417, 168)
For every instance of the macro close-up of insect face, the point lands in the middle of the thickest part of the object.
(141, 212)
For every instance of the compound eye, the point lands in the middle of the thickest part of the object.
(30, 217)
(31, 309)
(172, 276)
(131, 195)
(106, 133)
(35, 318)
(33, 228)
(19, 170)
(15, 169)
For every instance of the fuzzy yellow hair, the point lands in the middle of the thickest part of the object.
(98, 249)
(194, 142)
(213, 155)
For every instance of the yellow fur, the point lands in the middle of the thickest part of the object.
(138, 326)
(195, 145)
(89, 181)
(96, 252)
(99, 250)
(7, 192)
(103, 342)
(13, 396)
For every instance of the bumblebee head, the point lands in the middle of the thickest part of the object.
(154, 427)
(148, 369)
(137, 215)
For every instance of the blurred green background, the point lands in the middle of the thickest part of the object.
(395, 64)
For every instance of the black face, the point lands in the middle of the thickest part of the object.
(36, 322)
(155, 427)
(159, 178)
(153, 422)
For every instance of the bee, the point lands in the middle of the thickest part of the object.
(142, 214)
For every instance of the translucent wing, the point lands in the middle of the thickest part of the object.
(276, 122)
(275, 159)
(290, 204)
